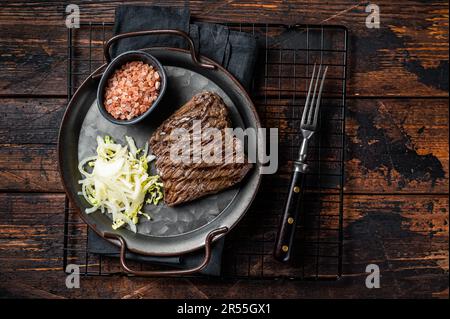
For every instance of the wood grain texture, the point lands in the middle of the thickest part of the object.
(29, 168)
(31, 232)
(405, 235)
(396, 205)
(393, 145)
(30, 121)
(35, 59)
(397, 145)
(399, 59)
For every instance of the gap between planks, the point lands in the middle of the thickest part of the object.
(6, 191)
(349, 97)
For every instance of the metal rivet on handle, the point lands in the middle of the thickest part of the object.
(290, 220)
(285, 248)
(296, 189)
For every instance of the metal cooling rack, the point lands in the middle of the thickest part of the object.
(286, 57)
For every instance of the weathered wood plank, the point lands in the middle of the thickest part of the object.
(32, 167)
(392, 148)
(178, 288)
(397, 230)
(35, 59)
(263, 11)
(393, 145)
(31, 236)
(405, 235)
(35, 53)
(30, 121)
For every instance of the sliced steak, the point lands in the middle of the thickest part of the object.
(186, 181)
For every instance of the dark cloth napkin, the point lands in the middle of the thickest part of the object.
(236, 51)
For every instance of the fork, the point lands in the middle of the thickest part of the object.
(308, 126)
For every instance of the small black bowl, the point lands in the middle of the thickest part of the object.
(116, 64)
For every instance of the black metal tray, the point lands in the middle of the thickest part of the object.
(172, 230)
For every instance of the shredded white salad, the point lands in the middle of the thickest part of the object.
(119, 181)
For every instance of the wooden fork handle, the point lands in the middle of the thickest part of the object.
(288, 222)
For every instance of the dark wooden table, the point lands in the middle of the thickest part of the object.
(396, 201)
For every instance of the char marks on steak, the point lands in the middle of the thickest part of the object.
(182, 181)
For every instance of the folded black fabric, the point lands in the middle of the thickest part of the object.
(236, 51)
(212, 41)
(131, 18)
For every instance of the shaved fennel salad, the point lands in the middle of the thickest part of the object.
(116, 181)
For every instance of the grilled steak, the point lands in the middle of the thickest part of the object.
(188, 180)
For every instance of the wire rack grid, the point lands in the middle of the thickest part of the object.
(286, 58)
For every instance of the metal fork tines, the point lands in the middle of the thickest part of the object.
(308, 124)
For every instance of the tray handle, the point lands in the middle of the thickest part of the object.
(157, 32)
(142, 273)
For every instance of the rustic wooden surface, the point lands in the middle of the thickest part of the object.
(396, 203)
